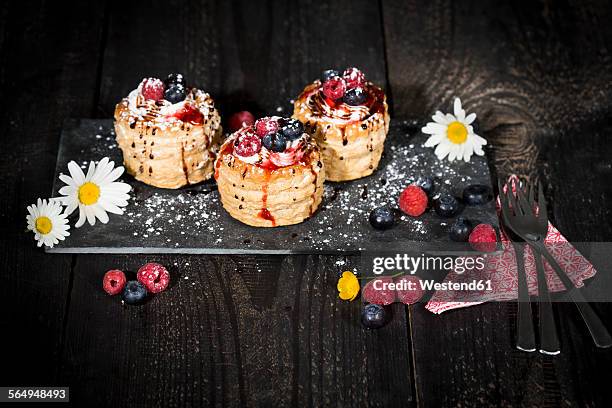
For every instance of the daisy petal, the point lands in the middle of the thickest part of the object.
(76, 173)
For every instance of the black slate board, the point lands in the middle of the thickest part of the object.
(191, 220)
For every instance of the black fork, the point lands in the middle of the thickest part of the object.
(529, 227)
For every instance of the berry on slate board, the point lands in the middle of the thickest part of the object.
(413, 201)
(328, 74)
(412, 291)
(446, 206)
(382, 218)
(373, 316)
(353, 77)
(175, 93)
(134, 293)
(427, 184)
(154, 276)
(292, 129)
(175, 78)
(153, 89)
(477, 194)
(248, 145)
(483, 238)
(334, 88)
(354, 97)
(460, 231)
(275, 142)
(266, 126)
(379, 294)
(239, 120)
(113, 282)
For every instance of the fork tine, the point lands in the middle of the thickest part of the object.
(523, 201)
(543, 212)
(503, 200)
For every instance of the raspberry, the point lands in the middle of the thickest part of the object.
(413, 201)
(189, 113)
(483, 238)
(334, 88)
(353, 77)
(266, 126)
(152, 88)
(154, 277)
(113, 281)
(381, 295)
(248, 145)
(239, 120)
(409, 296)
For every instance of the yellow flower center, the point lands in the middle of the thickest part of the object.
(348, 286)
(89, 193)
(457, 132)
(44, 225)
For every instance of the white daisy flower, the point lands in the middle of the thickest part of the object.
(48, 222)
(454, 135)
(95, 193)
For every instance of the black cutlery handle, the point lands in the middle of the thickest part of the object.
(599, 333)
(549, 342)
(526, 336)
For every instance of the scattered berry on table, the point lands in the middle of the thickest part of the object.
(292, 129)
(413, 201)
(334, 88)
(266, 126)
(376, 291)
(382, 218)
(175, 93)
(154, 276)
(477, 194)
(446, 206)
(427, 184)
(113, 282)
(329, 74)
(460, 230)
(275, 142)
(175, 78)
(239, 120)
(483, 238)
(248, 145)
(354, 96)
(353, 77)
(412, 291)
(153, 89)
(373, 316)
(134, 293)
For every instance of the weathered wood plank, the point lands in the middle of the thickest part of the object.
(49, 58)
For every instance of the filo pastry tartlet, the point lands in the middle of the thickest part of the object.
(348, 117)
(168, 133)
(270, 174)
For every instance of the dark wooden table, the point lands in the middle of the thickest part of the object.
(269, 331)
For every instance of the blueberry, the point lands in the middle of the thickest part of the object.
(134, 293)
(354, 96)
(382, 218)
(477, 194)
(275, 142)
(373, 316)
(330, 73)
(446, 206)
(174, 79)
(460, 230)
(292, 129)
(175, 93)
(426, 183)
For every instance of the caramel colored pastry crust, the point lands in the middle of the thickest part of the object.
(270, 197)
(351, 142)
(167, 154)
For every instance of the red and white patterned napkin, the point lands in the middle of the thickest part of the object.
(500, 269)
